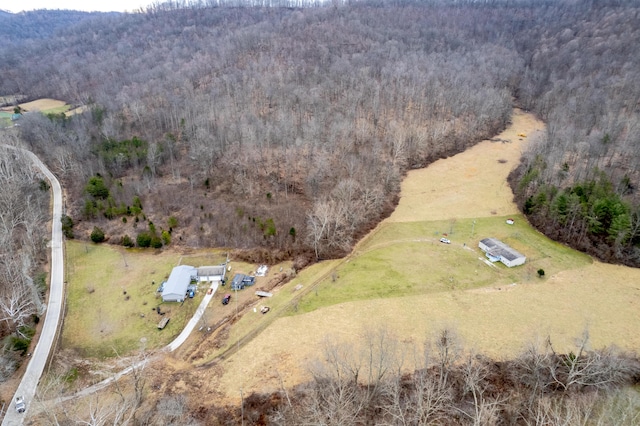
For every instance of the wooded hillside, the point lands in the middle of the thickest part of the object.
(290, 128)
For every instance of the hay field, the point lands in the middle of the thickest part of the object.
(496, 311)
(470, 184)
(44, 105)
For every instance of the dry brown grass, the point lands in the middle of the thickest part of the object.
(497, 321)
(42, 105)
(470, 184)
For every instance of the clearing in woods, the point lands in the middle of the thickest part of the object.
(402, 278)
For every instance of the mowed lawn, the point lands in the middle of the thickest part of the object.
(112, 297)
(404, 259)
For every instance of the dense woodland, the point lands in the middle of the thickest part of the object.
(286, 130)
(290, 128)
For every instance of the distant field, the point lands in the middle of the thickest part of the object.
(58, 110)
(44, 105)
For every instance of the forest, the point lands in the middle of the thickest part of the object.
(290, 128)
(283, 130)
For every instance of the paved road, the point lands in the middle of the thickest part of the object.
(38, 360)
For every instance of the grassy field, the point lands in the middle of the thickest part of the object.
(58, 110)
(404, 259)
(45, 105)
(5, 119)
(101, 319)
(400, 277)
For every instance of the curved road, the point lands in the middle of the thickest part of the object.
(29, 383)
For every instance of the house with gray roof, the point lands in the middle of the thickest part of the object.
(212, 273)
(497, 251)
(175, 289)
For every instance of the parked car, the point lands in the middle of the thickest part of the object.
(20, 405)
(226, 299)
(445, 240)
(191, 294)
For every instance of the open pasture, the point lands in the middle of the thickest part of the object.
(400, 277)
(112, 297)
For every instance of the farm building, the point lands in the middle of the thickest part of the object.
(175, 289)
(240, 281)
(497, 251)
(211, 273)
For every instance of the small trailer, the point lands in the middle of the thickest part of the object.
(163, 323)
(263, 293)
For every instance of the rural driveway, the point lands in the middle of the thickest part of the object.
(175, 344)
(37, 362)
(193, 321)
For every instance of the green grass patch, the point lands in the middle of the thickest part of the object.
(112, 297)
(404, 259)
(5, 119)
(204, 258)
(57, 110)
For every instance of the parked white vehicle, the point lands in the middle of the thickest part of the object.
(445, 240)
(20, 405)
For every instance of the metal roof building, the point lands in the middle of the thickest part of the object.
(496, 251)
(240, 281)
(175, 289)
(212, 273)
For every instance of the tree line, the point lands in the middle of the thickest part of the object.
(376, 380)
(24, 204)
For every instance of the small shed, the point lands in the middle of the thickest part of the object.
(176, 286)
(240, 281)
(496, 250)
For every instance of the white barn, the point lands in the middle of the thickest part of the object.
(497, 251)
(175, 289)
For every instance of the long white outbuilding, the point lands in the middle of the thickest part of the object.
(497, 251)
